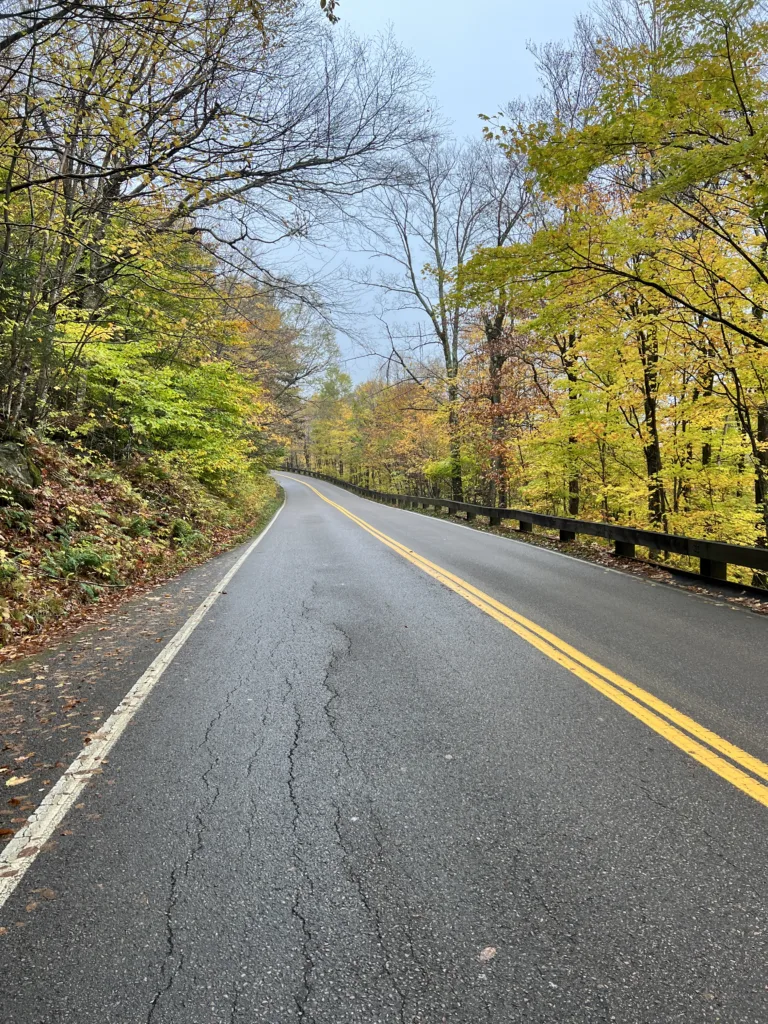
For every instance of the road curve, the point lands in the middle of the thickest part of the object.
(355, 797)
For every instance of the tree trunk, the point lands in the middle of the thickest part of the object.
(574, 483)
(657, 504)
(457, 489)
(498, 431)
(574, 494)
(760, 579)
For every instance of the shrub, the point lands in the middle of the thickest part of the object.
(82, 559)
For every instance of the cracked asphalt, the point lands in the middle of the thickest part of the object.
(353, 798)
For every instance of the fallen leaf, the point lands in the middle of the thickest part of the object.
(3, 931)
(17, 780)
(7, 831)
(48, 894)
(488, 953)
(31, 906)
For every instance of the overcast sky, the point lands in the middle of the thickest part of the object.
(477, 50)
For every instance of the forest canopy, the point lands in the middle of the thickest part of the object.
(572, 305)
(152, 156)
(593, 283)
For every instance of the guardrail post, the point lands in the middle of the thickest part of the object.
(715, 570)
(470, 516)
(525, 527)
(567, 535)
(494, 520)
(623, 549)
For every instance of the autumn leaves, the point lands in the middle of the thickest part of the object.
(609, 357)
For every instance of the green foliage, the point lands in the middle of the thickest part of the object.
(198, 419)
(184, 534)
(9, 568)
(17, 518)
(81, 559)
(630, 382)
(138, 527)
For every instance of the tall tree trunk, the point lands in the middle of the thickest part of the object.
(498, 353)
(498, 430)
(457, 488)
(568, 357)
(760, 579)
(574, 491)
(657, 504)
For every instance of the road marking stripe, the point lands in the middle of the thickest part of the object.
(634, 699)
(22, 850)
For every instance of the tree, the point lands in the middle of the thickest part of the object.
(676, 136)
(125, 128)
(444, 201)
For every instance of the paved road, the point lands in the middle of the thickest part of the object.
(351, 782)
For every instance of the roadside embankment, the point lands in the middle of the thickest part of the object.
(78, 534)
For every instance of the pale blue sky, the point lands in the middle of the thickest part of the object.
(476, 48)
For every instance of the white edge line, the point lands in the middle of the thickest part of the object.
(22, 850)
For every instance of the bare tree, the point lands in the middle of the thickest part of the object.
(445, 200)
(189, 123)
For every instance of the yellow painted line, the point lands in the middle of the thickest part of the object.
(634, 699)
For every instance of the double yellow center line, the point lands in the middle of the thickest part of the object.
(700, 743)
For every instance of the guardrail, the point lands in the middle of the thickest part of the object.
(714, 556)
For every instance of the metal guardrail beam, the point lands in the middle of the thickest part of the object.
(714, 556)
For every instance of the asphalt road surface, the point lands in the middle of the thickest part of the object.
(357, 797)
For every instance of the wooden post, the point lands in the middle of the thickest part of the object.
(623, 549)
(525, 527)
(715, 570)
(567, 535)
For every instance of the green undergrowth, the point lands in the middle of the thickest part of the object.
(93, 530)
